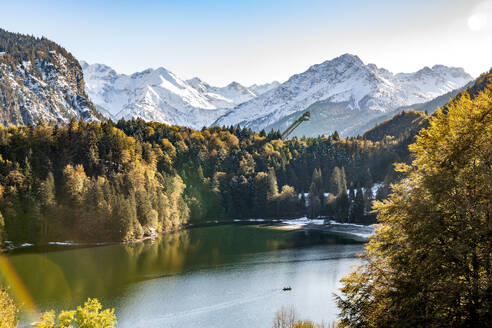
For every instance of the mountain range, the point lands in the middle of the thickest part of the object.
(160, 95)
(342, 94)
(41, 80)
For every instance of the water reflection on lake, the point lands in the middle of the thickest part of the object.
(222, 276)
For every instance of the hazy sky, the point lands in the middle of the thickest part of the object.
(257, 41)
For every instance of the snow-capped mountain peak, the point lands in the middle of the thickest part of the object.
(348, 83)
(160, 95)
(340, 87)
(153, 94)
(259, 89)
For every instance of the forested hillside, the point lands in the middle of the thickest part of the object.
(121, 181)
(233, 172)
(400, 126)
(101, 181)
(106, 181)
(84, 182)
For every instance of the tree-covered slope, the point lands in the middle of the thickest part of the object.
(83, 181)
(429, 264)
(405, 125)
(401, 125)
(101, 181)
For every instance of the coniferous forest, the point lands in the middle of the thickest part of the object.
(122, 181)
(117, 182)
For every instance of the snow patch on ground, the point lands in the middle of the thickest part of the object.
(359, 230)
(62, 243)
(376, 187)
(304, 221)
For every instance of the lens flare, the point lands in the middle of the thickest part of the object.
(17, 286)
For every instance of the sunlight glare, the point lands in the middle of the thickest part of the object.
(477, 22)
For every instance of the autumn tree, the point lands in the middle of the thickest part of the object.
(429, 264)
(90, 315)
(8, 310)
(272, 184)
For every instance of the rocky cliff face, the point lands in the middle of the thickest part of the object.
(39, 80)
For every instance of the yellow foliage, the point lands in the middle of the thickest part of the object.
(149, 131)
(429, 261)
(8, 311)
(303, 324)
(197, 137)
(76, 180)
(90, 315)
(168, 147)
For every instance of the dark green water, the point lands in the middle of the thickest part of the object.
(222, 276)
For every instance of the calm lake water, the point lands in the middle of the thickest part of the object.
(221, 276)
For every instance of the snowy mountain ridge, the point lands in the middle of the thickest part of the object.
(160, 95)
(349, 84)
(343, 94)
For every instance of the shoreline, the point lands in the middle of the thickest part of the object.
(277, 224)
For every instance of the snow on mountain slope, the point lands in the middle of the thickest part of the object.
(347, 86)
(49, 86)
(226, 97)
(343, 94)
(160, 95)
(259, 89)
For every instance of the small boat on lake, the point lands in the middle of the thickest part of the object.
(287, 288)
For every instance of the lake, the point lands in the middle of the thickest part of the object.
(218, 276)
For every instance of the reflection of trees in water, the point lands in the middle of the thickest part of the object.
(71, 276)
(165, 255)
(315, 237)
(201, 247)
(33, 273)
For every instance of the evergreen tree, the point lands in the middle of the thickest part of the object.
(335, 182)
(47, 192)
(368, 199)
(358, 206)
(342, 201)
(272, 184)
(261, 188)
(315, 194)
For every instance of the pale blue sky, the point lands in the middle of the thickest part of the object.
(256, 41)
